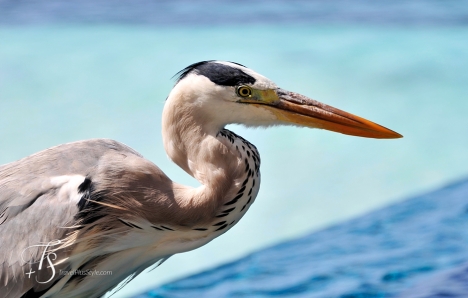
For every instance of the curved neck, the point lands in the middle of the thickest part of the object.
(192, 144)
(195, 146)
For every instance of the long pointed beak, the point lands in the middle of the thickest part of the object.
(301, 110)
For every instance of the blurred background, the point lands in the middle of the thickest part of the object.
(73, 70)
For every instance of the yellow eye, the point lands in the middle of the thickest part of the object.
(244, 91)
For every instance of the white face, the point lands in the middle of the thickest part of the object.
(220, 104)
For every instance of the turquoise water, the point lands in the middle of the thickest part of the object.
(61, 83)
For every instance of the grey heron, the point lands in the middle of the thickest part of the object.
(99, 206)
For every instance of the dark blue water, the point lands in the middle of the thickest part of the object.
(416, 248)
(186, 12)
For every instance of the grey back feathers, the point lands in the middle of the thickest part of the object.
(42, 200)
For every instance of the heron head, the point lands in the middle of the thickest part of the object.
(226, 92)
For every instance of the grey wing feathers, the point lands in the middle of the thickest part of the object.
(38, 203)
